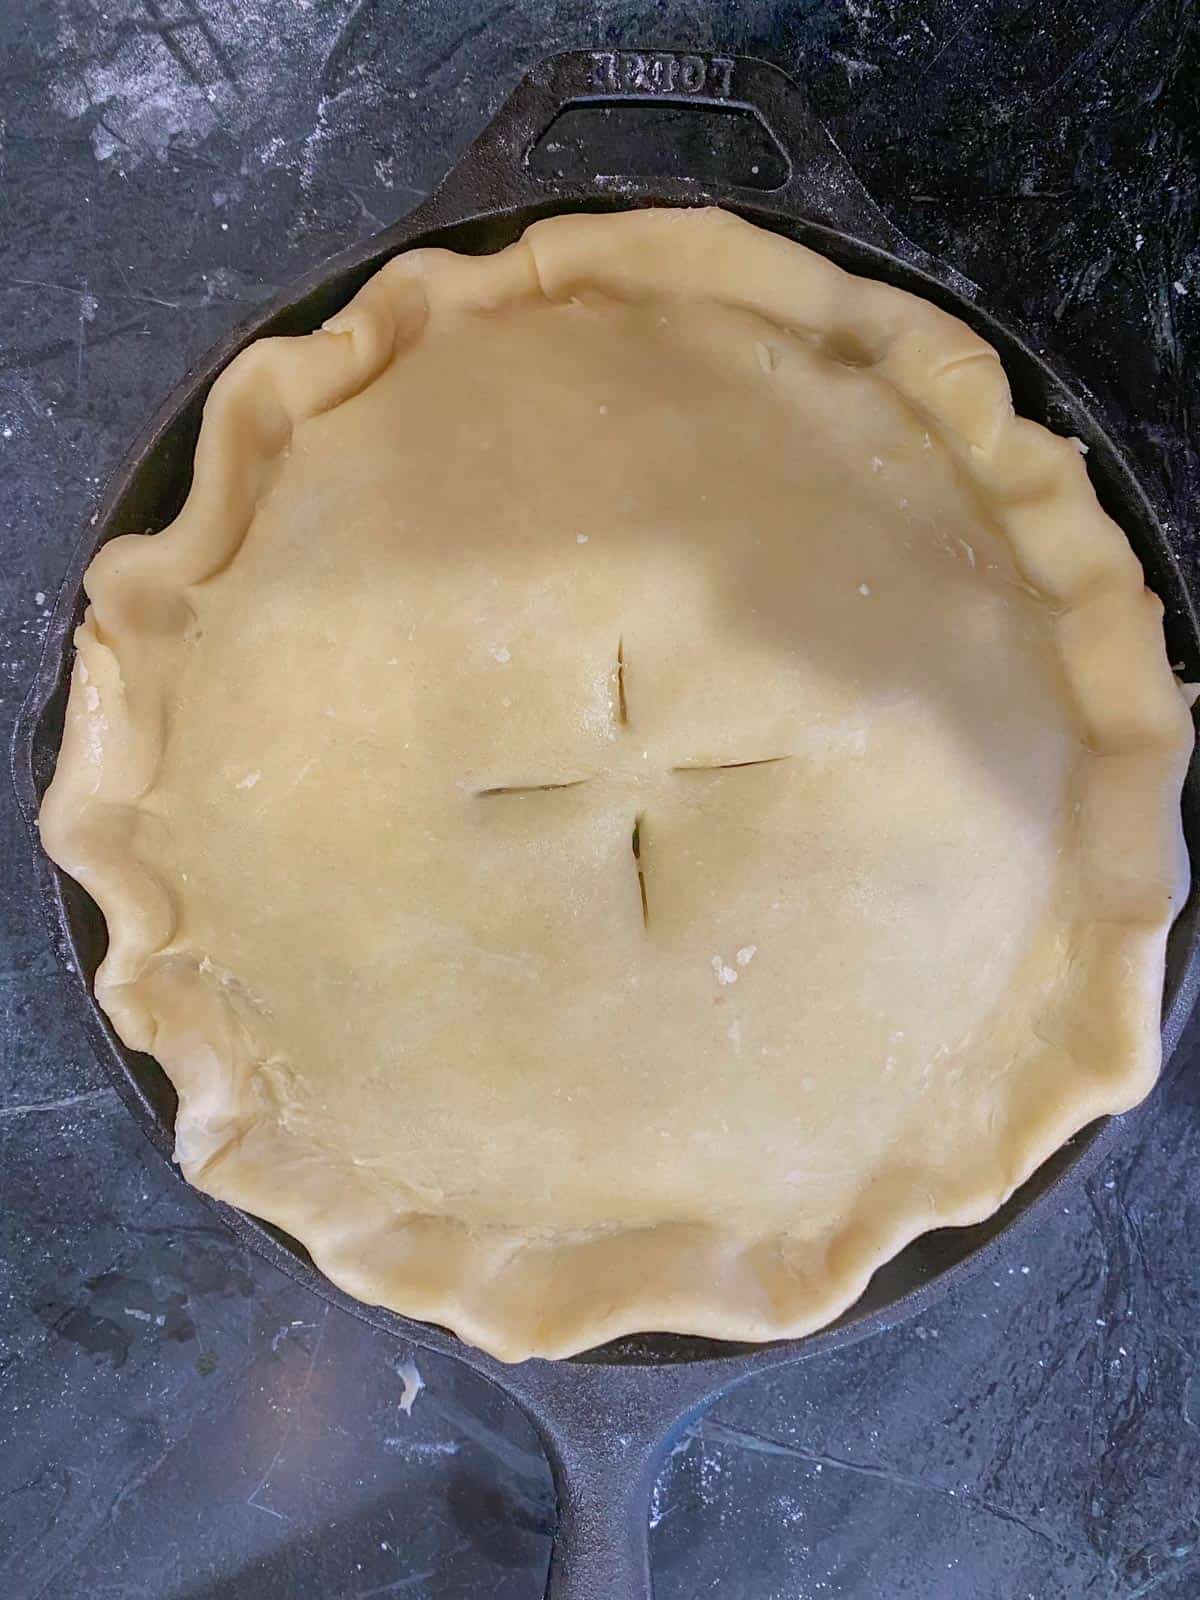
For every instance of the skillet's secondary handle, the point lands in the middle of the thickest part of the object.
(818, 185)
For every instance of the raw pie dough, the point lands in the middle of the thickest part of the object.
(633, 787)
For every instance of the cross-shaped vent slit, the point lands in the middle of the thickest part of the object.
(619, 712)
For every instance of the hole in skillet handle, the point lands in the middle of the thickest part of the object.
(702, 121)
(699, 144)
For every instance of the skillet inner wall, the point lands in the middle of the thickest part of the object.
(156, 486)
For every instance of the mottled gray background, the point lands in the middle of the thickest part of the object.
(178, 1421)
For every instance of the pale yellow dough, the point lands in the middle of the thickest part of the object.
(754, 556)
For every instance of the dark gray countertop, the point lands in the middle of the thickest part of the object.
(179, 1422)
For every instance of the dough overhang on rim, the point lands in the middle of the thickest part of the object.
(634, 786)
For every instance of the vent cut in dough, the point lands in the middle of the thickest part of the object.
(633, 787)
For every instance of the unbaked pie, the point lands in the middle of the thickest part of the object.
(634, 786)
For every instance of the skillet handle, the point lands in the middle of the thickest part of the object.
(607, 1430)
(602, 1541)
(818, 184)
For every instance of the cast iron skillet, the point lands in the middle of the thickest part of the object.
(655, 118)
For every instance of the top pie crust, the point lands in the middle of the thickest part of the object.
(633, 787)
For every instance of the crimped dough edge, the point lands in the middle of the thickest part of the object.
(510, 1291)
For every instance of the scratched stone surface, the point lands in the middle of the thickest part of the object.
(177, 1420)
